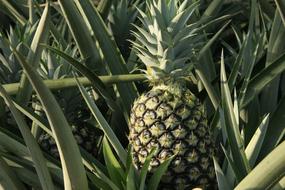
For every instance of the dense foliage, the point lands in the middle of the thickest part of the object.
(71, 71)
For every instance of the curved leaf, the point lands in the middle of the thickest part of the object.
(34, 149)
(158, 173)
(41, 36)
(8, 179)
(115, 170)
(269, 170)
(104, 125)
(73, 170)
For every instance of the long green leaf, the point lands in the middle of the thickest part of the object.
(8, 179)
(131, 178)
(254, 146)
(41, 36)
(35, 118)
(267, 8)
(250, 51)
(98, 182)
(27, 163)
(262, 78)
(89, 161)
(82, 36)
(12, 145)
(238, 61)
(144, 169)
(73, 170)
(158, 173)
(204, 68)
(206, 62)
(104, 178)
(270, 93)
(201, 70)
(232, 169)
(31, 11)
(26, 175)
(104, 7)
(271, 169)
(234, 137)
(213, 9)
(33, 146)
(222, 180)
(207, 46)
(275, 131)
(14, 12)
(114, 59)
(104, 125)
(280, 185)
(95, 80)
(208, 86)
(281, 8)
(115, 170)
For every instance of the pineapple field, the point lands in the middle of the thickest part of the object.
(142, 95)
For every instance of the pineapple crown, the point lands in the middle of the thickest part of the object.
(166, 43)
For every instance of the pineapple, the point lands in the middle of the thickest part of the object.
(169, 116)
(72, 104)
(86, 135)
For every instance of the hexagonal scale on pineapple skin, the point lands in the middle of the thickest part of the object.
(157, 129)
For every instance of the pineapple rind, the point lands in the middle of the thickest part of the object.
(177, 126)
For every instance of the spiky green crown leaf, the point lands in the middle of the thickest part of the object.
(166, 41)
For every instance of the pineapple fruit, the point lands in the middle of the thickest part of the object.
(169, 116)
(72, 104)
(86, 135)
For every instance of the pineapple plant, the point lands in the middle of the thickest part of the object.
(86, 135)
(70, 100)
(170, 117)
(249, 127)
(51, 67)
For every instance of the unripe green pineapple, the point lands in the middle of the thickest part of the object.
(169, 116)
(86, 135)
